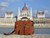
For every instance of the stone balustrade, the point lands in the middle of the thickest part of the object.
(26, 36)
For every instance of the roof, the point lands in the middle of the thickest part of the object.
(24, 8)
(40, 13)
(8, 12)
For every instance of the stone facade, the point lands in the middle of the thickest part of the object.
(42, 22)
(39, 22)
(7, 21)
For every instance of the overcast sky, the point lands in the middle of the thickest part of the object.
(12, 5)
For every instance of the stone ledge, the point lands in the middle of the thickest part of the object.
(26, 36)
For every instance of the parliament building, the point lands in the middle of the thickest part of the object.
(40, 20)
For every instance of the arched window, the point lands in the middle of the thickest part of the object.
(25, 14)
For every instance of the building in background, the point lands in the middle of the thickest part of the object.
(24, 14)
(9, 19)
(40, 20)
(9, 14)
(40, 14)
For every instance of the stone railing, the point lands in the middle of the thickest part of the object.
(26, 36)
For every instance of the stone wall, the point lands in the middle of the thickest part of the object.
(26, 36)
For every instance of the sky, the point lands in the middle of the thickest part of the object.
(12, 6)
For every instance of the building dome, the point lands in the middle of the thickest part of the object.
(24, 8)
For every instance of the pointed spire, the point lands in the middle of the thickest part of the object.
(24, 4)
(18, 13)
(18, 9)
(31, 11)
(31, 14)
(24, 8)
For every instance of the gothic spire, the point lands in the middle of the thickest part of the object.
(24, 4)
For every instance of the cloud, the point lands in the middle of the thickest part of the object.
(3, 9)
(46, 11)
(28, 0)
(17, 0)
(12, 0)
(4, 4)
